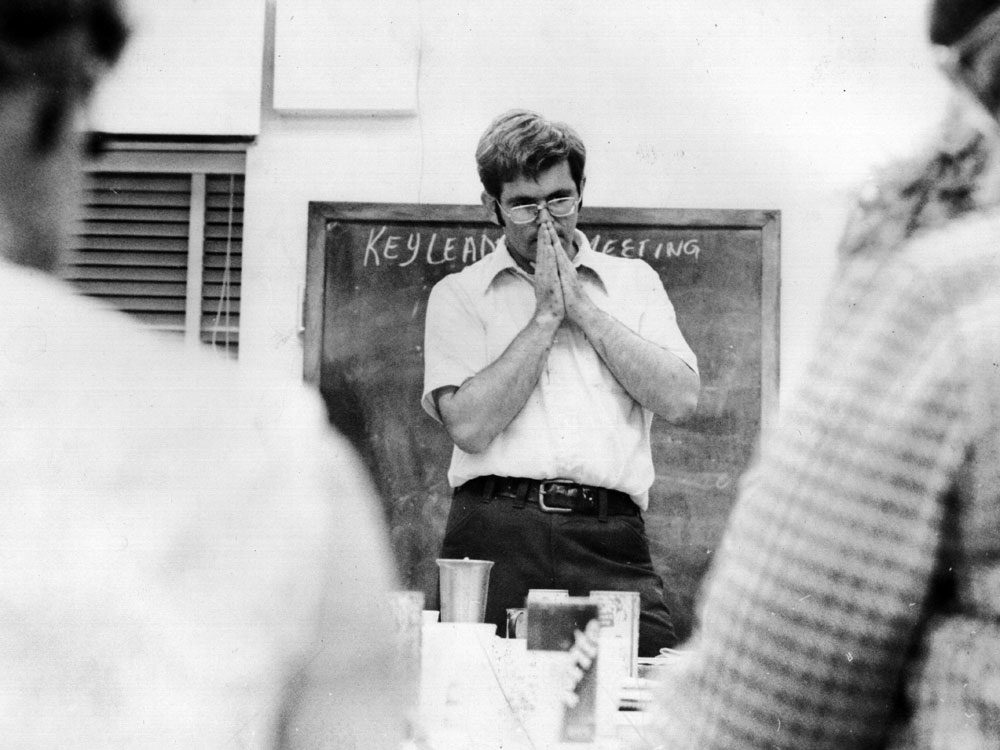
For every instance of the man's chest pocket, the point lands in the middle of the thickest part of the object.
(499, 335)
(501, 324)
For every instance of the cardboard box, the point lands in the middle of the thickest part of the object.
(620, 628)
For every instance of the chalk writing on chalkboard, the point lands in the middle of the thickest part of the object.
(388, 246)
(432, 248)
(370, 270)
(646, 248)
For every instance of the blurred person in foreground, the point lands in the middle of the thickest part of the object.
(189, 558)
(855, 599)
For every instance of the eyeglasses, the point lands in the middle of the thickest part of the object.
(528, 212)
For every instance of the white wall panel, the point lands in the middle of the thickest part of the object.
(192, 67)
(346, 56)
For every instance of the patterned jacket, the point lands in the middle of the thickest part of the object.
(855, 599)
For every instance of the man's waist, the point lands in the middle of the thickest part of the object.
(553, 495)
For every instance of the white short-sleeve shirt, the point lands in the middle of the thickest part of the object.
(579, 423)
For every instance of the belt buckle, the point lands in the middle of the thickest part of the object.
(544, 488)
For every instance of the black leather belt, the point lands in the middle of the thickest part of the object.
(553, 495)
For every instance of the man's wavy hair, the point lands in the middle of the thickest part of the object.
(520, 143)
(61, 45)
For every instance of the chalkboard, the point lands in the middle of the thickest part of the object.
(370, 269)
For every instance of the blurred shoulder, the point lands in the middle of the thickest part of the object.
(188, 417)
(961, 256)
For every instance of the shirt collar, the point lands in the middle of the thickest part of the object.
(502, 262)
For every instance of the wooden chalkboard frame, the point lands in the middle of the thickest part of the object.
(321, 214)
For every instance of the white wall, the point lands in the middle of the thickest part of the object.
(689, 103)
(191, 67)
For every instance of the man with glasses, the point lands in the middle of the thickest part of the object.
(545, 362)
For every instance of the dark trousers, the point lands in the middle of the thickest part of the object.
(532, 549)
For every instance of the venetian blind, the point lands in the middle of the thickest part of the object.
(220, 318)
(165, 247)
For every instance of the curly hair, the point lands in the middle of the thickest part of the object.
(523, 143)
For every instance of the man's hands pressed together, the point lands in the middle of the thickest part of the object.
(549, 298)
(652, 376)
(483, 406)
(558, 290)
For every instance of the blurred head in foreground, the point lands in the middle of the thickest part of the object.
(52, 53)
(959, 170)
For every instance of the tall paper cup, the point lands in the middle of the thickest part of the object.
(464, 585)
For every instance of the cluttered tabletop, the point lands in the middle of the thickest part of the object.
(529, 688)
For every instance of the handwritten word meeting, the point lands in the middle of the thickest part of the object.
(434, 248)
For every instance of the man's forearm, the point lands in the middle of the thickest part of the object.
(482, 407)
(656, 378)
